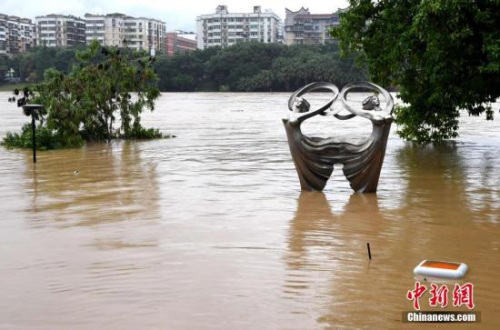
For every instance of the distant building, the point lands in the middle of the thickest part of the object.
(180, 43)
(225, 29)
(16, 34)
(145, 33)
(108, 30)
(302, 27)
(281, 29)
(60, 30)
(122, 30)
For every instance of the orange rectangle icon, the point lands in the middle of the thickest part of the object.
(441, 264)
(440, 270)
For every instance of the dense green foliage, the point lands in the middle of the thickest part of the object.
(46, 139)
(84, 104)
(255, 66)
(443, 56)
(31, 66)
(244, 67)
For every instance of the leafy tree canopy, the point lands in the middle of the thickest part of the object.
(443, 55)
(86, 103)
(254, 66)
(248, 66)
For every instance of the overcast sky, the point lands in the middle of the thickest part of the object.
(178, 14)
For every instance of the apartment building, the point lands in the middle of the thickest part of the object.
(145, 33)
(60, 30)
(225, 29)
(302, 27)
(178, 42)
(17, 35)
(108, 30)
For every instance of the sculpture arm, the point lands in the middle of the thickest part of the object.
(312, 87)
(310, 114)
(375, 116)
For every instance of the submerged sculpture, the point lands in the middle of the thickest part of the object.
(315, 157)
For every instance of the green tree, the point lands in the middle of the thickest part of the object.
(254, 66)
(44, 59)
(443, 55)
(3, 72)
(27, 67)
(240, 61)
(85, 104)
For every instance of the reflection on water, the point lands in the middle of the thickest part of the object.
(328, 249)
(98, 184)
(210, 230)
(440, 217)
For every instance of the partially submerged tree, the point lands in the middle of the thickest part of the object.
(443, 55)
(106, 85)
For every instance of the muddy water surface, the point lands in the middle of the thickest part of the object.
(210, 229)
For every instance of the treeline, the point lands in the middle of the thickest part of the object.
(243, 67)
(31, 66)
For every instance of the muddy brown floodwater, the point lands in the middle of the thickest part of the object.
(210, 229)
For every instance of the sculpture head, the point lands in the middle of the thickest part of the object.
(371, 103)
(301, 105)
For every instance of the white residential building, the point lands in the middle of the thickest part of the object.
(145, 33)
(60, 30)
(17, 35)
(122, 30)
(108, 29)
(3, 39)
(225, 29)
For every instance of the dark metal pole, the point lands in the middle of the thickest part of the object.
(29, 109)
(369, 251)
(34, 135)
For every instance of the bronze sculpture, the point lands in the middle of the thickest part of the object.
(315, 157)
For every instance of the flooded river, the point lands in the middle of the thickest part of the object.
(211, 231)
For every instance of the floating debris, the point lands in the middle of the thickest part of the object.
(440, 270)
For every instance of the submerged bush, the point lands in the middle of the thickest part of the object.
(85, 104)
(46, 139)
(141, 133)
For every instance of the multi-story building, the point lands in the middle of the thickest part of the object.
(3, 39)
(178, 42)
(225, 29)
(20, 35)
(16, 34)
(302, 27)
(108, 30)
(145, 33)
(122, 30)
(60, 30)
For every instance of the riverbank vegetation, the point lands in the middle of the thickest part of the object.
(253, 66)
(444, 56)
(246, 67)
(85, 103)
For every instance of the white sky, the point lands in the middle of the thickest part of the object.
(178, 14)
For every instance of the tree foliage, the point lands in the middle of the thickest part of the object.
(86, 103)
(255, 66)
(443, 55)
(32, 65)
(249, 66)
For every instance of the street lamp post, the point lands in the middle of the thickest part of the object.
(30, 109)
